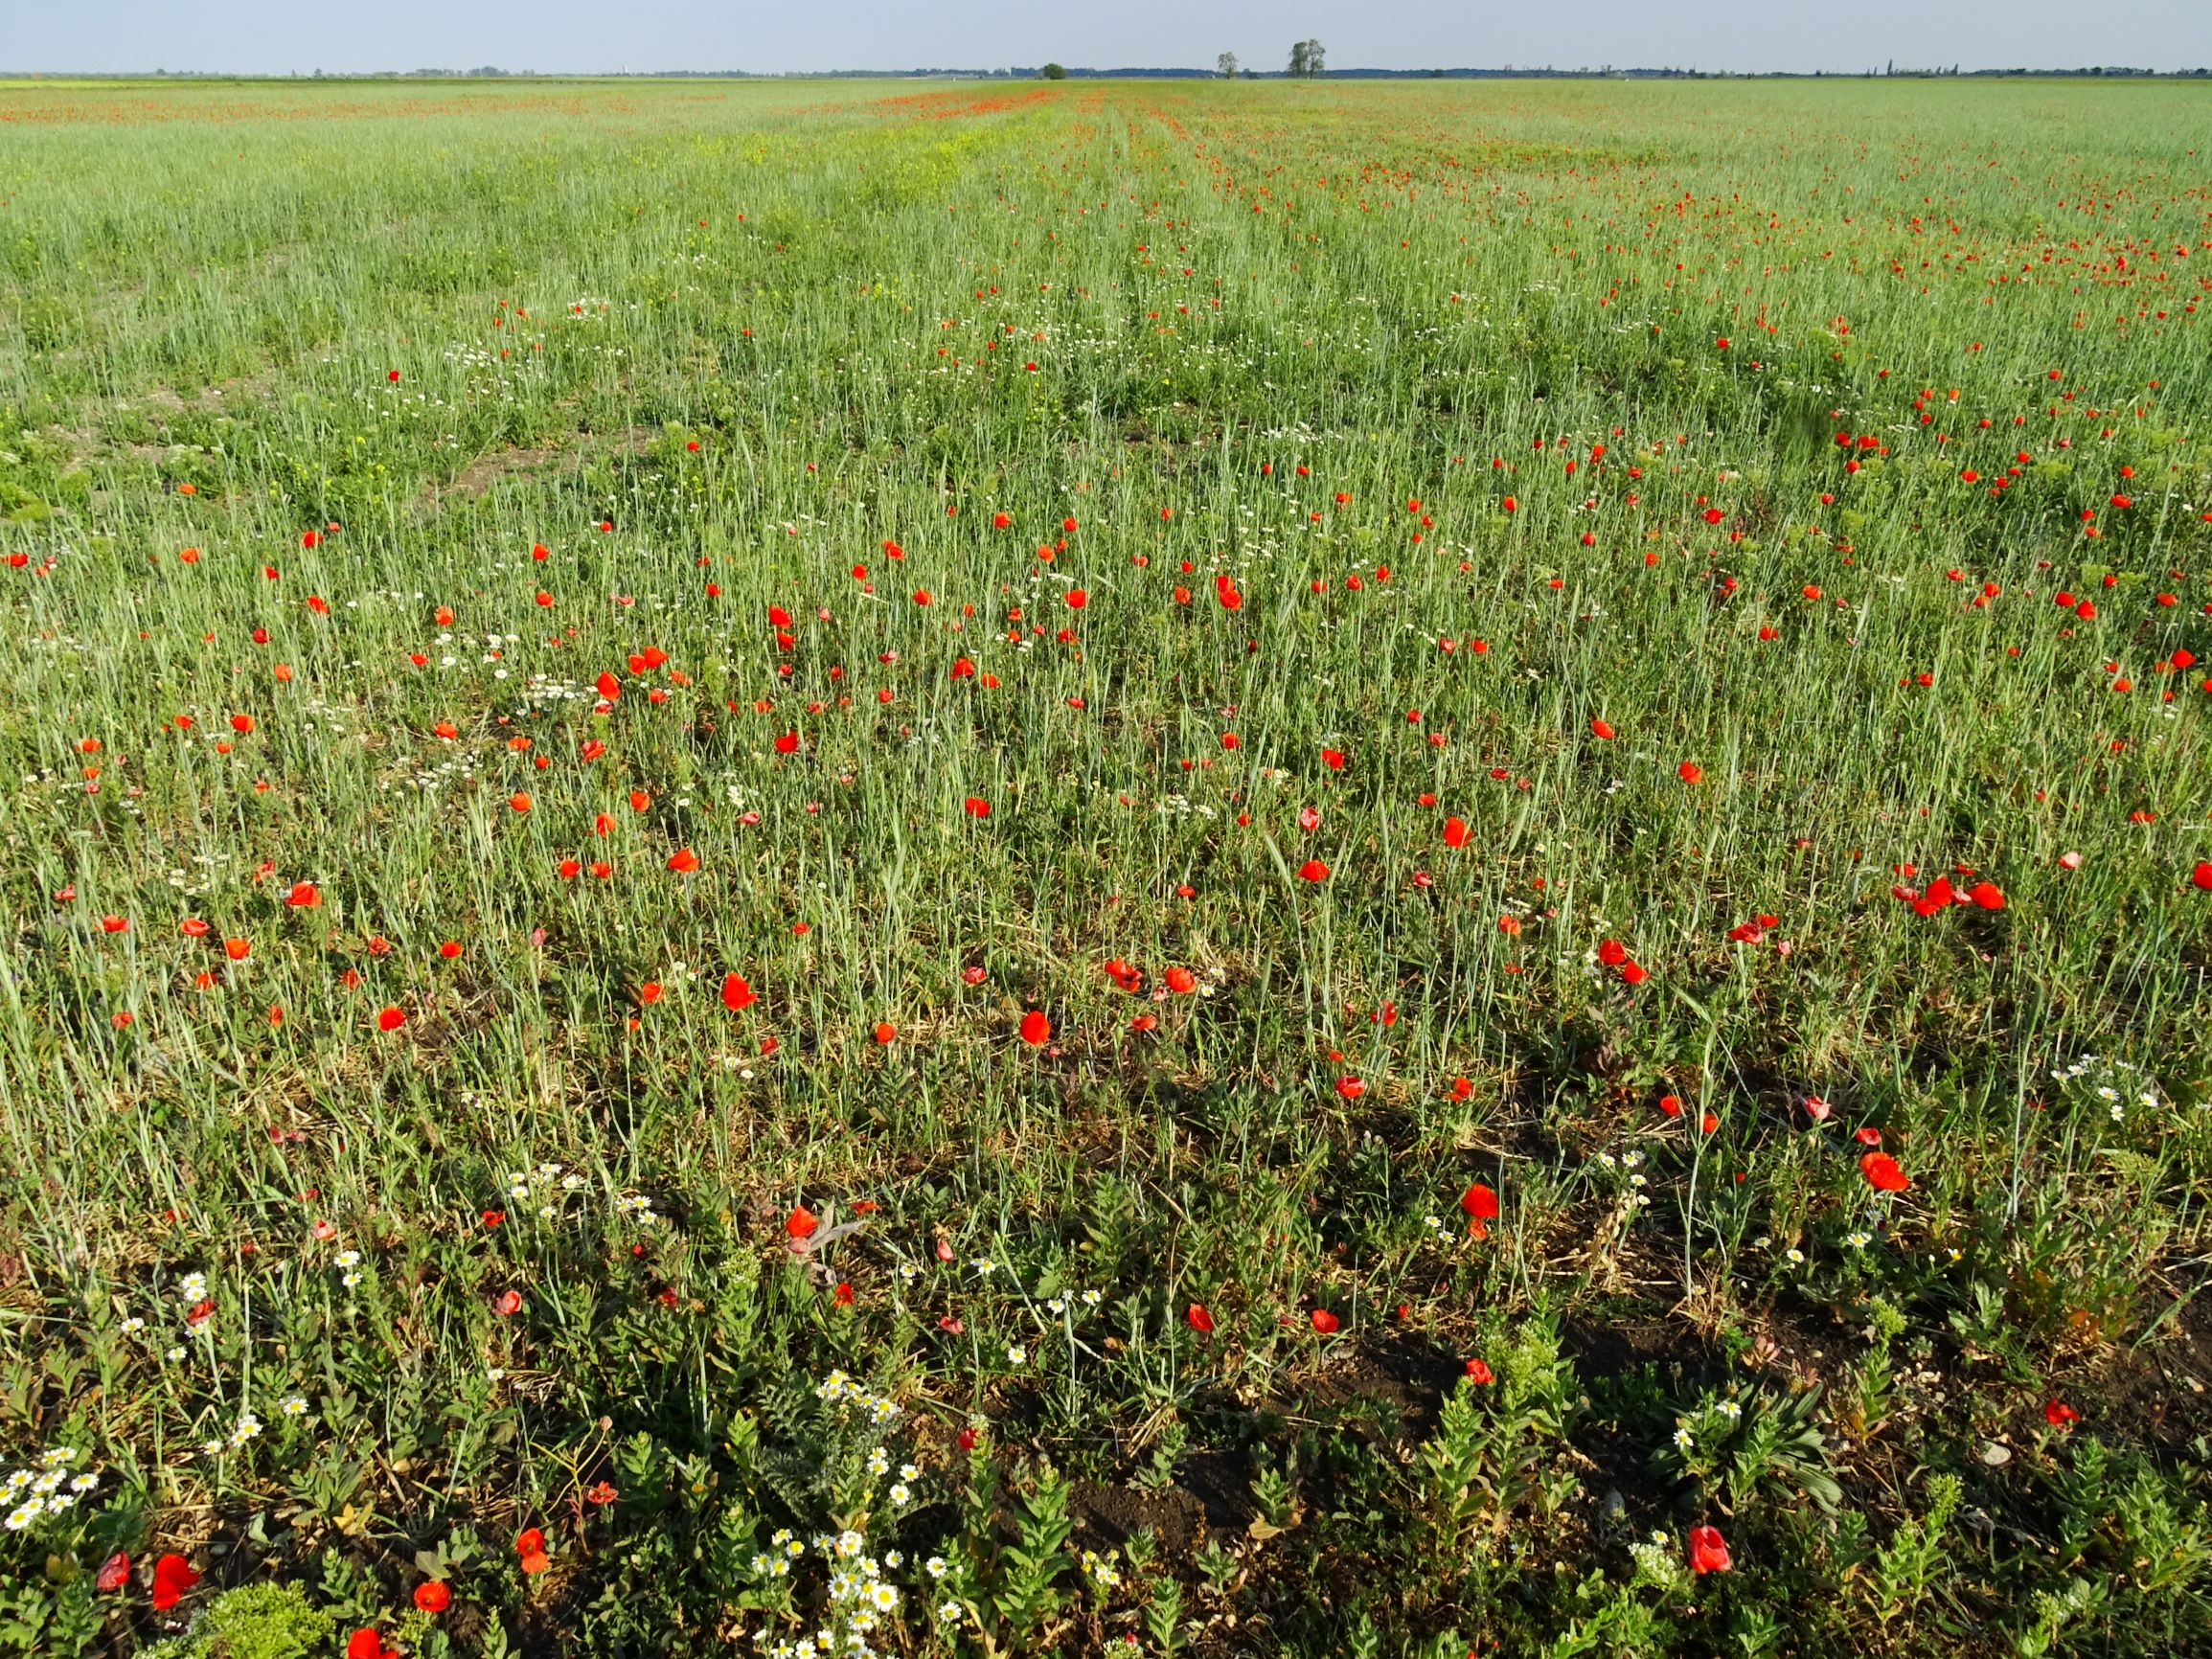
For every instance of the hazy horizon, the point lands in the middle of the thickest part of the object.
(563, 37)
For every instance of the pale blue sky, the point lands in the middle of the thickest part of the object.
(277, 36)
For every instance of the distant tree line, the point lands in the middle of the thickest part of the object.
(1226, 65)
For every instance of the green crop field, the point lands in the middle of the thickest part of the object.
(870, 867)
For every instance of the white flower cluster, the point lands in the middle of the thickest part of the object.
(45, 1488)
(860, 1595)
(2116, 1083)
(837, 1387)
(248, 1428)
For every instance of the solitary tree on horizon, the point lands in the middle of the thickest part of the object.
(1227, 64)
(1308, 58)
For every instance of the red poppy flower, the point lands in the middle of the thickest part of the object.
(530, 1545)
(2060, 1415)
(788, 743)
(1478, 1371)
(1455, 832)
(1882, 1174)
(1035, 1029)
(1325, 1323)
(736, 994)
(1200, 1320)
(1708, 1551)
(1689, 772)
(432, 1596)
(2202, 877)
(366, 1643)
(238, 949)
(390, 1019)
(1332, 759)
(173, 1576)
(801, 1222)
(1480, 1203)
(509, 1303)
(1939, 896)
(683, 861)
(976, 806)
(114, 1572)
(1181, 980)
(885, 1031)
(1314, 870)
(1600, 729)
(303, 896)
